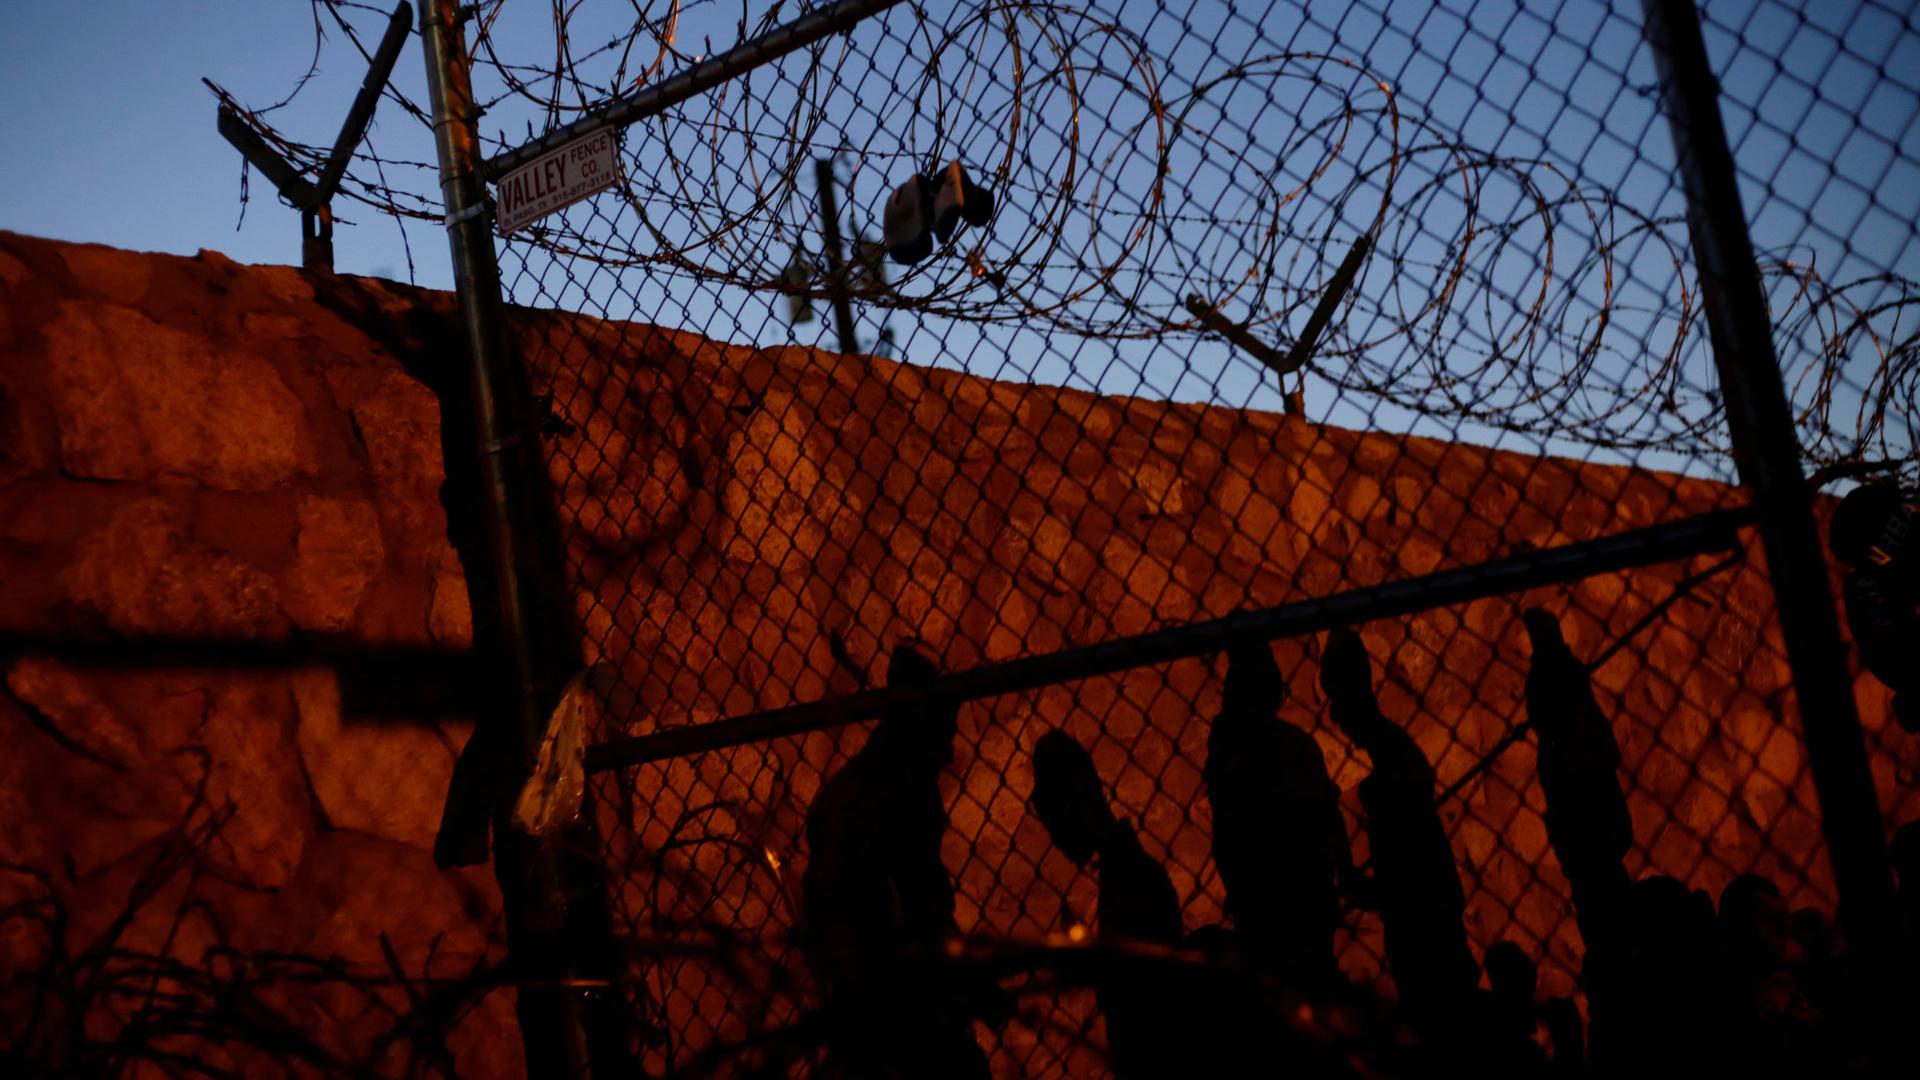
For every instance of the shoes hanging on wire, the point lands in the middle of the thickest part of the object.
(929, 207)
(958, 198)
(909, 221)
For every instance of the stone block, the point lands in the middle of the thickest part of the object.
(384, 776)
(337, 553)
(139, 400)
(141, 573)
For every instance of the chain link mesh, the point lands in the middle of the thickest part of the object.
(1066, 426)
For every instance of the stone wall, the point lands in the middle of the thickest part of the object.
(213, 478)
(220, 514)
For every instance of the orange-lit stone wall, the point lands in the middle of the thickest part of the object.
(208, 463)
(197, 452)
(735, 511)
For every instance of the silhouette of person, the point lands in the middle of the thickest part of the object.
(1904, 850)
(1664, 1013)
(1513, 1018)
(1818, 971)
(1769, 1018)
(1224, 1010)
(1137, 901)
(1756, 940)
(1587, 820)
(1873, 533)
(1565, 1036)
(1579, 758)
(875, 885)
(1278, 838)
(1415, 884)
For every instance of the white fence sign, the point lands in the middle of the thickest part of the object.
(559, 178)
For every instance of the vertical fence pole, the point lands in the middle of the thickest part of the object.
(836, 262)
(316, 238)
(553, 905)
(1767, 453)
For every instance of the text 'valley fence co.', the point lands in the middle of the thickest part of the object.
(555, 180)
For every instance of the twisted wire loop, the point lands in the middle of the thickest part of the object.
(1130, 181)
(1043, 443)
(160, 980)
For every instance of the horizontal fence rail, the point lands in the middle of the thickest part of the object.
(917, 354)
(1674, 540)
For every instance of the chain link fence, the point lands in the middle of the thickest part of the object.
(1237, 307)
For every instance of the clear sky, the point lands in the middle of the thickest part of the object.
(110, 138)
(109, 135)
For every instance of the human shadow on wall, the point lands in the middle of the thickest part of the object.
(1137, 902)
(1415, 885)
(1588, 827)
(1279, 841)
(875, 891)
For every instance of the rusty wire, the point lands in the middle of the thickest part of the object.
(1079, 457)
(104, 994)
(1566, 356)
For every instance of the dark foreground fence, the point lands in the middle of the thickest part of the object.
(960, 436)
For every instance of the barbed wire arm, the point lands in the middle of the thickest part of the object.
(284, 175)
(399, 25)
(696, 80)
(278, 170)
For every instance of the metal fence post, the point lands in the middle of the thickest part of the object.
(1767, 453)
(554, 901)
(836, 261)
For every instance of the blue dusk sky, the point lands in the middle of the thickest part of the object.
(111, 139)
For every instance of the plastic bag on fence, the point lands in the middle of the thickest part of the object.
(552, 796)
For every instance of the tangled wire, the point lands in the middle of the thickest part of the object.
(1138, 160)
(93, 996)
